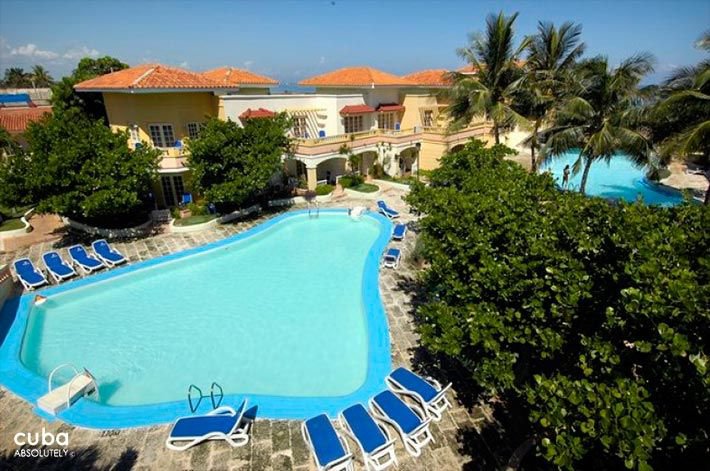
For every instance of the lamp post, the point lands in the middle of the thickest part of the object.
(418, 145)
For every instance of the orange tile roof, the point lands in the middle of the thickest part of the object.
(150, 76)
(356, 109)
(15, 120)
(430, 77)
(258, 113)
(356, 77)
(234, 76)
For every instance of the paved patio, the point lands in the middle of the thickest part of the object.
(274, 445)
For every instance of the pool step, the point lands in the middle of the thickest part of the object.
(58, 399)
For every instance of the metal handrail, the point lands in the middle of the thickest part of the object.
(49, 380)
(221, 394)
(189, 397)
(93, 380)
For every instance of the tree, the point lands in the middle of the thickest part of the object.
(16, 77)
(553, 54)
(79, 168)
(92, 104)
(682, 118)
(587, 321)
(40, 77)
(490, 92)
(232, 165)
(603, 117)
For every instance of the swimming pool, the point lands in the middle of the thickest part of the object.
(287, 314)
(619, 179)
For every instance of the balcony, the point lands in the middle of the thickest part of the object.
(173, 159)
(355, 141)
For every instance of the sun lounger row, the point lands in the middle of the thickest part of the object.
(410, 421)
(60, 269)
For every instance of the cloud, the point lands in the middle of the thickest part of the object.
(184, 64)
(31, 50)
(248, 64)
(322, 60)
(80, 53)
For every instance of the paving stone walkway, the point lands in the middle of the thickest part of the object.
(274, 444)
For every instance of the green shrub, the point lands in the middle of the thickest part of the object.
(590, 319)
(198, 209)
(365, 188)
(348, 181)
(377, 170)
(324, 189)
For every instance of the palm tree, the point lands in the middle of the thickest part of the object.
(15, 77)
(490, 92)
(685, 111)
(40, 77)
(603, 117)
(553, 54)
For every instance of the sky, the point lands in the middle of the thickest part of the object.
(293, 40)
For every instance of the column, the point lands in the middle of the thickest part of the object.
(312, 177)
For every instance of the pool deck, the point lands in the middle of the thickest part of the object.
(275, 444)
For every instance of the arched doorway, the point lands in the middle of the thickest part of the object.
(329, 170)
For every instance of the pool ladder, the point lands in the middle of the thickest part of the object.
(212, 396)
(313, 209)
(57, 399)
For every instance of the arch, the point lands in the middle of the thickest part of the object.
(457, 148)
(330, 169)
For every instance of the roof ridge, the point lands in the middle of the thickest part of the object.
(143, 75)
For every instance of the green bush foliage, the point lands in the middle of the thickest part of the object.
(349, 181)
(592, 318)
(78, 167)
(233, 165)
(324, 189)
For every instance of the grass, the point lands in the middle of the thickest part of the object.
(11, 225)
(13, 212)
(365, 188)
(192, 220)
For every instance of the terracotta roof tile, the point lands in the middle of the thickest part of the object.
(390, 107)
(356, 109)
(258, 113)
(150, 76)
(15, 120)
(356, 77)
(234, 76)
(430, 77)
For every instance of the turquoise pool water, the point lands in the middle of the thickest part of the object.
(619, 179)
(280, 313)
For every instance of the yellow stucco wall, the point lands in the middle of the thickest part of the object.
(430, 154)
(178, 109)
(414, 104)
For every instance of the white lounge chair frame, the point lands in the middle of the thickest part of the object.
(84, 268)
(342, 464)
(56, 276)
(389, 263)
(381, 457)
(25, 284)
(417, 438)
(239, 435)
(436, 407)
(106, 261)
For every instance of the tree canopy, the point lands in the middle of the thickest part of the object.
(587, 320)
(16, 77)
(231, 165)
(78, 167)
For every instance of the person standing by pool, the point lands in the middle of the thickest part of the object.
(565, 176)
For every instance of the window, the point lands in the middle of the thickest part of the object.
(162, 135)
(168, 191)
(134, 134)
(353, 123)
(385, 121)
(428, 119)
(300, 127)
(193, 130)
(179, 187)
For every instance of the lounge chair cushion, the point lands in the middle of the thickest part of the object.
(392, 253)
(399, 230)
(398, 411)
(102, 248)
(414, 383)
(203, 425)
(364, 428)
(325, 440)
(79, 253)
(26, 270)
(54, 262)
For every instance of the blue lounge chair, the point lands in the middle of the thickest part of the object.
(399, 231)
(29, 276)
(81, 258)
(427, 392)
(391, 258)
(107, 254)
(375, 443)
(329, 450)
(57, 267)
(386, 210)
(411, 422)
(223, 423)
